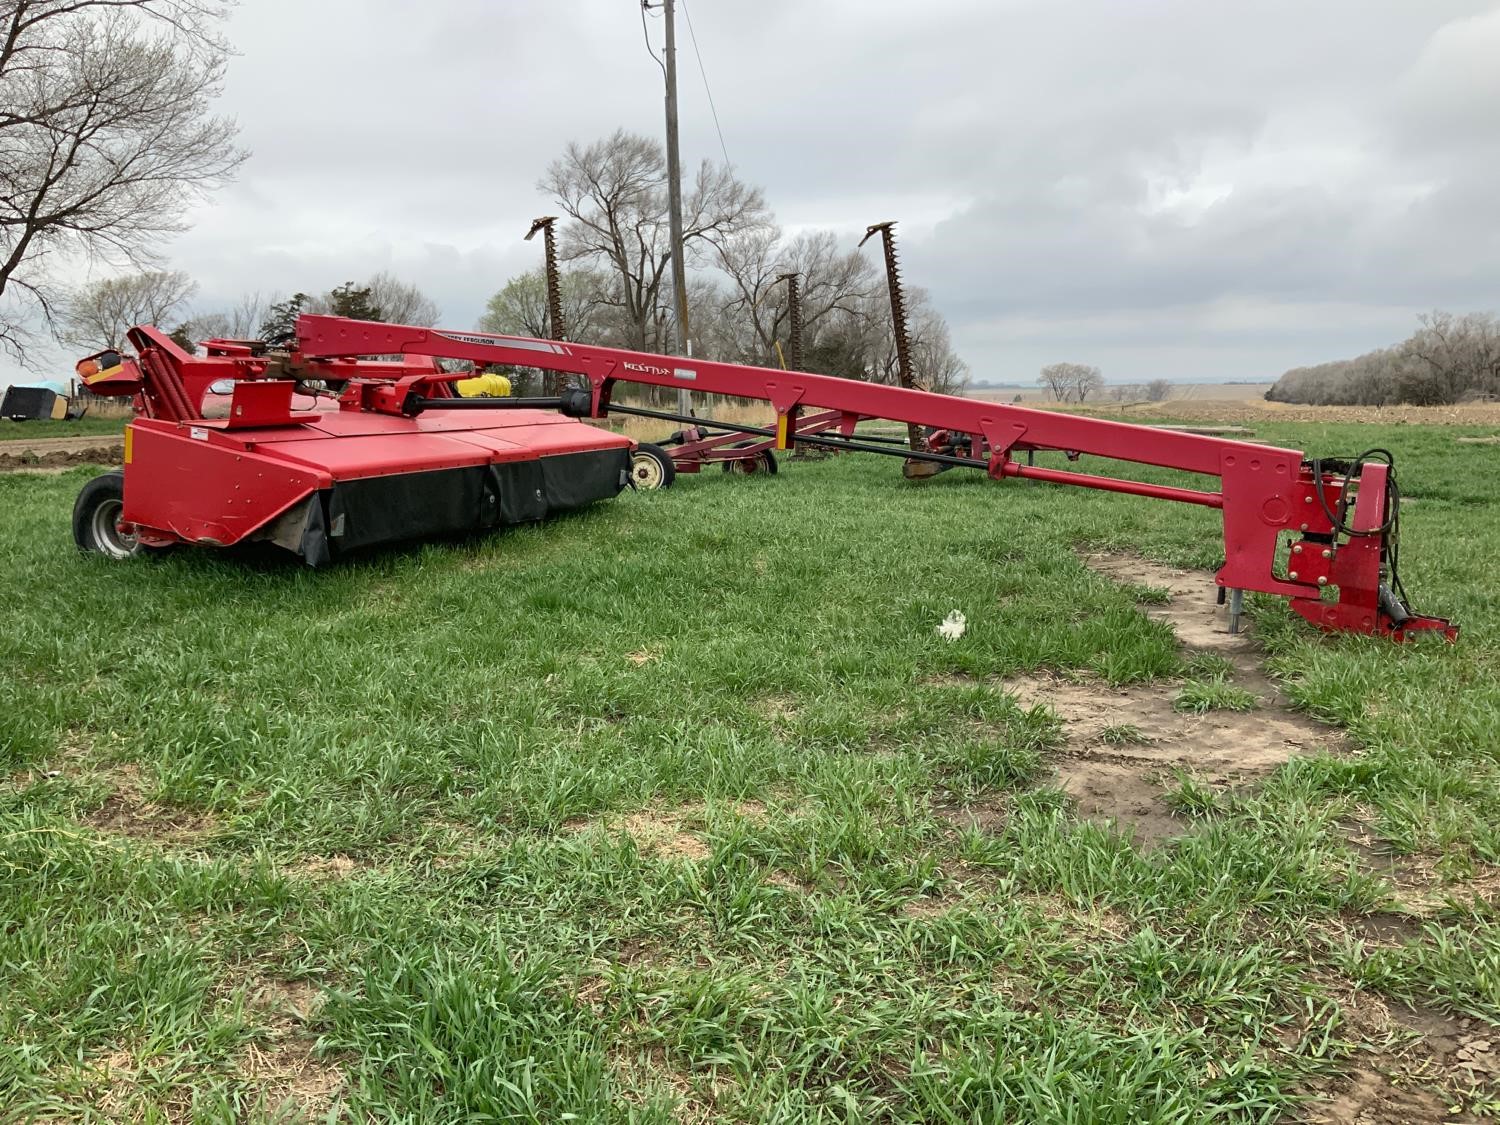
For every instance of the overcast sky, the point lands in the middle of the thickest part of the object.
(1194, 189)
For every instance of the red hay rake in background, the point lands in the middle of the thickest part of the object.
(398, 455)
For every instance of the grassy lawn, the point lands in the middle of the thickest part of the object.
(680, 809)
(34, 430)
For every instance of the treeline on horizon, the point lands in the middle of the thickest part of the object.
(1448, 359)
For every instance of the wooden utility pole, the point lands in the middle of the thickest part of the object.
(682, 340)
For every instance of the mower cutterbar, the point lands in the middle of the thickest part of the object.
(1324, 536)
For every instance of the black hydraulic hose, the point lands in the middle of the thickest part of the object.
(1351, 472)
(878, 438)
(415, 404)
(826, 443)
(1391, 528)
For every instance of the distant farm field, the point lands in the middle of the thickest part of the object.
(681, 809)
(1244, 404)
(1211, 392)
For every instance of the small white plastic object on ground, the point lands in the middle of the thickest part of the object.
(953, 626)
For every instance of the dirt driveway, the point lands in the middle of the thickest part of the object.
(61, 452)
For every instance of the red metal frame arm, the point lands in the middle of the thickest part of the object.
(1266, 493)
(1003, 427)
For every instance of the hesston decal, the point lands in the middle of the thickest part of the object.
(644, 368)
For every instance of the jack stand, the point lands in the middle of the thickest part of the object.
(1236, 609)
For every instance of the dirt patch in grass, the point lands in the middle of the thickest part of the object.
(648, 1074)
(336, 866)
(662, 835)
(286, 1082)
(989, 814)
(281, 999)
(289, 1081)
(776, 708)
(656, 831)
(1093, 922)
(127, 811)
(1413, 1064)
(280, 1064)
(1369, 1097)
(789, 882)
(1126, 780)
(1382, 929)
(1422, 888)
(1190, 608)
(670, 832)
(74, 756)
(113, 1079)
(1126, 746)
(920, 908)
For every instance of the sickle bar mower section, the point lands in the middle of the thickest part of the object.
(400, 457)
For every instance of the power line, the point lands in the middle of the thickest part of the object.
(647, 35)
(693, 35)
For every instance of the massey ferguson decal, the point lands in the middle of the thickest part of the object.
(503, 341)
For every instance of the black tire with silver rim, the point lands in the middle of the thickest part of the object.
(96, 518)
(762, 462)
(651, 467)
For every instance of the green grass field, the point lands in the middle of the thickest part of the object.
(680, 809)
(34, 430)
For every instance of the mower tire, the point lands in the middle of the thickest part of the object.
(96, 518)
(651, 468)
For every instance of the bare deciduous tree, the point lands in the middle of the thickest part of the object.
(1460, 354)
(935, 365)
(1087, 381)
(832, 281)
(1070, 382)
(1055, 381)
(97, 316)
(106, 135)
(1158, 390)
(241, 321)
(520, 308)
(1445, 360)
(401, 303)
(615, 192)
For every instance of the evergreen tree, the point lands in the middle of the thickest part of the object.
(181, 336)
(353, 301)
(281, 318)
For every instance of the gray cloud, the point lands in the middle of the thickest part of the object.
(1160, 187)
